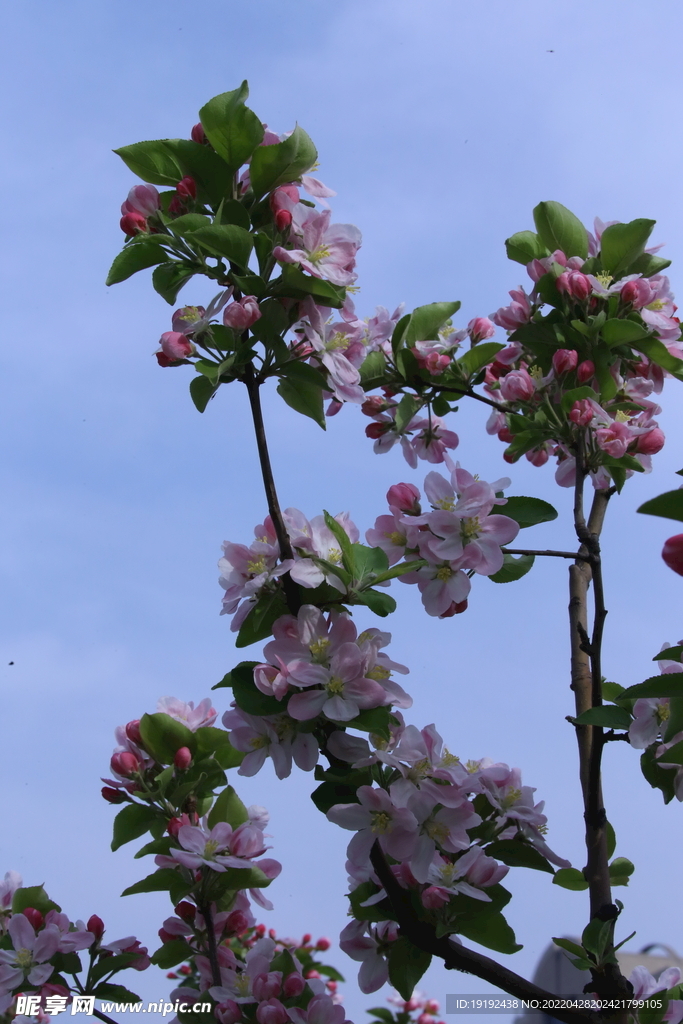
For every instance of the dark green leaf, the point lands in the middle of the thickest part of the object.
(295, 370)
(152, 161)
(228, 807)
(213, 178)
(32, 896)
(527, 511)
(373, 370)
(514, 567)
(384, 1015)
(284, 162)
(259, 622)
(159, 881)
(215, 741)
(163, 736)
(407, 408)
(249, 698)
(426, 321)
(570, 878)
(518, 854)
(569, 946)
(668, 505)
(400, 570)
(674, 755)
(136, 256)
(188, 222)
(524, 247)
(171, 953)
(407, 964)
(304, 398)
(611, 839)
(250, 284)
(489, 928)
(132, 821)
(230, 241)
(559, 228)
(623, 332)
(169, 278)
(107, 964)
(156, 846)
(606, 716)
(399, 332)
(621, 244)
(362, 893)
(648, 265)
(231, 211)
(380, 603)
(202, 390)
(670, 684)
(294, 284)
(233, 130)
(480, 355)
(612, 691)
(669, 653)
(374, 720)
(658, 777)
(116, 993)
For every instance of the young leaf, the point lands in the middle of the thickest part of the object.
(668, 505)
(131, 822)
(230, 241)
(514, 567)
(284, 162)
(259, 622)
(159, 881)
(527, 511)
(620, 870)
(570, 878)
(525, 246)
(426, 321)
(135, 256)
(233, 129)
(569, 946)
(407, 964)
(621, 244)
(559, 228)
(202, 390)
(169, 278)
(606, 716)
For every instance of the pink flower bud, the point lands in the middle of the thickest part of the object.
(198, 135)
(538, 456)
(578, 285)
(133, 223)
(271, 931)
(585, 371)
(672, 553)
(536, 270)
(331, 986)
(565, 360)
(163, 359)
(271, 1011)
(35, 917)
(293, 985)
(639, 293)
(267, 986)
(283, 220)
(581, 412)
(433, 898)
(312, 973)
(174, 826)
(95, 926)
(125, 764)
(185, 910)
(517, 386)
(562, 283)
(175, 345)
(229, 1012)
(167, 937)
(177, 206)
(373, 405)
(425, 1018)
(651, 443)
(306, 940)
(431, 1005)
(132, 731)
(142, 199)
(480, 328)
(323, 944)
(376, 430)
(183, 758)
(236, 923)
(406, 498)
(112, 796)
(242, 314)
(187, 188)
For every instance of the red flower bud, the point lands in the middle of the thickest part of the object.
(283, 220)
(236, 923)
(125, 764)
(185, 910)
(585, 371)
(163, 360)
(167, 937)
(672, 553)
(312, 974)
(293, 985)
(272, 933)
(404, 497)
(565, 360)
(198, 135)
(306, 939)
(260, 930)
(323, 944)
(174, 826)
(185, 969)
(133, 732)
(373, 405)
(187, 188)
(375, 430)
(133, 223)
(95, 926)
(35, 917)
(651, 443)
(506, 436)
(113, 796)
(455, 608)
(183, 758)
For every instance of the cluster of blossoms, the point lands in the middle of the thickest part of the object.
(459, 537)
(426, 1010)
(322, 672)
(433, 818)
(34, 943)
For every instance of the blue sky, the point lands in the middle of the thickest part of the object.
(440, 125)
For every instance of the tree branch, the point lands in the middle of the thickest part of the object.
(556, 554)
(205, 911)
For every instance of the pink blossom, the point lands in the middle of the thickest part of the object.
(565, 360)
(582, 412)
(651, 715)
(405, 498)
(614, 439)
(645, 986)
(328, 250)
(467, 874)
(321, 1010)
(517, 386)
(367, 943)
(242, 314)
(576, 284)
(175, 345)
(376, 817)
(275, 737)
(517, 313)
(27, 961)
(143, 199)
(432, 441)
(193, 717)
(480, 328)
(651, 442)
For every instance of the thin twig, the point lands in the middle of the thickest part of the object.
(556, 554)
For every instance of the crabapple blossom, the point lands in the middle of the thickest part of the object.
(327, 250)
(366, 943)
(242, 314)
(193, 717)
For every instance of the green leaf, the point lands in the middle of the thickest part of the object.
(407, 964)
(606, 716)
(576, 394)
(658, 777)
(373, 370)
(668, 505)
(228, 807)
(670, 653)
(489, 928)
(250, 284)
(374, 720)
(249, 698)
(648, 265)
(188, 222)
(294, 284)
(514, 567)
(159, 881)
(525, 246)
(342, 538)
(367, 562)
(384, 1015)
(116, 993)
(621, 244)
(233, 129)
(623, 332)
(603, 362)
(480, 355)
(282, 163)
(163, 736)
(107, 964)
(670, 684)
(612, 691)
(202, 390)
(259, 622)
(559, 228)
(304, 398)
(169, 278)
(231, 211)
(400, 570)
(131, 822)
(620, 870)
(611, 839)
(135, 256)
(212, 741)
(426, 321)
(213, 178)
(658, 353)
(399, 332)
(527, 511)
(171, 953)
(570, 947)
(230, 241)
(152, 161)
(32, 896)
(518, 854)
(380, 603)
(407, 408)
(674, 755)
(162, 845)
(570, 878)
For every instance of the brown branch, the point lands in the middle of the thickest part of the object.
(556, 554)
(205, 911)
(457, 957)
